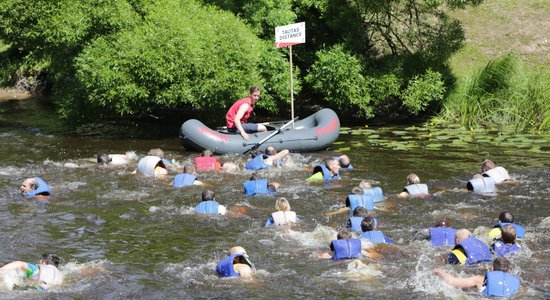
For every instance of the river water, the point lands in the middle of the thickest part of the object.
(123, 236)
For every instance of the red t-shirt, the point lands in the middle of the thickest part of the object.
(230, 116)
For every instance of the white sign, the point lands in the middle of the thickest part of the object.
(289, 35)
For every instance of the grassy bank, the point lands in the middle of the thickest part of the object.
(503, 70)
(498, 27)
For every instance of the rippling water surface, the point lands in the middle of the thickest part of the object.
(122, 236)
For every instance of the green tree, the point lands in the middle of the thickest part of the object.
(182, 54)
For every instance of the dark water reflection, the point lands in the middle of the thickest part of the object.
(122, 236)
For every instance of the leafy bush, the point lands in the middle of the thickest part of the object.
(423, 90)
(338, 76)
(181, 55)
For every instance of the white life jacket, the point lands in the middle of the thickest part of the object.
(281, 218)
(499, 174)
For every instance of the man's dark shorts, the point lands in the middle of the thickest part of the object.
(248, 128)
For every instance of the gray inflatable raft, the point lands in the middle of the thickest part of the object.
(313, 133)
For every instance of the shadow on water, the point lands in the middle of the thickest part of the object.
(122, 236)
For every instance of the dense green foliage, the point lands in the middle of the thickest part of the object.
(171, 59)
(502, 93)
(362, 55)
(371, 57)
(126, 57)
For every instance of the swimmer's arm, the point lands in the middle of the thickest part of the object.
(371, 253)
(325, 255)
(460, 283)
(339, 211)
(403, 194)
(16, 265)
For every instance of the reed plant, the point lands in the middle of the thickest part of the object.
(502, 94)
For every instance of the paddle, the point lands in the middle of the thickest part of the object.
(258, 144)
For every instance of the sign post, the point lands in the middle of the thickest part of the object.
(286, 36)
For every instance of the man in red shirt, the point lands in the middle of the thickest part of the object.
(240, 111)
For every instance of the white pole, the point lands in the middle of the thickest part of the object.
(291, 90)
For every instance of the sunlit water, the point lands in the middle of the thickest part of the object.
(123, 236)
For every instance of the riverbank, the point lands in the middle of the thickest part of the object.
(14, 94)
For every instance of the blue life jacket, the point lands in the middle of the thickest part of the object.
(346, 249)
(501, 249)
(257, 163)
(209, 207)
(42, 188)
(355, 224)
(326, 173)
(520, 231)
(442, 236)
(364, 200)
(417, 189)
(253, 187)
(482, 185)
(500, 284)
(476, 251)
(184, 179)
(225, 267)
(376, 237)
(376, 192)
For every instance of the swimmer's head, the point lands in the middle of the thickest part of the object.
(50, 259)
(506, 217)
(207, 153)
(357, 190)
(270, 150)
(413, 179)
(238, 250)
(344, 161)
(461, 235)
(509, 234)
(255, 176)
(273, 186)
(282, 204)
(103, 159)
(365, 184)
(368, 224)
(360, 211)
(208, 195)
(501, 264)
(442, 223)
(344, 234)
(487, 165)
(156, 152)
(28, 185)
(188, 169)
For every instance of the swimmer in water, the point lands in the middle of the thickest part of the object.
(496, 283)
(116, 159)
(236, 265)
(35, 187)
(414, 188)
(42, 276)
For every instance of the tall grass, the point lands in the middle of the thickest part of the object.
(502, 94)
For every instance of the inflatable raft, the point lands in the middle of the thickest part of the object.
(313, 133)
